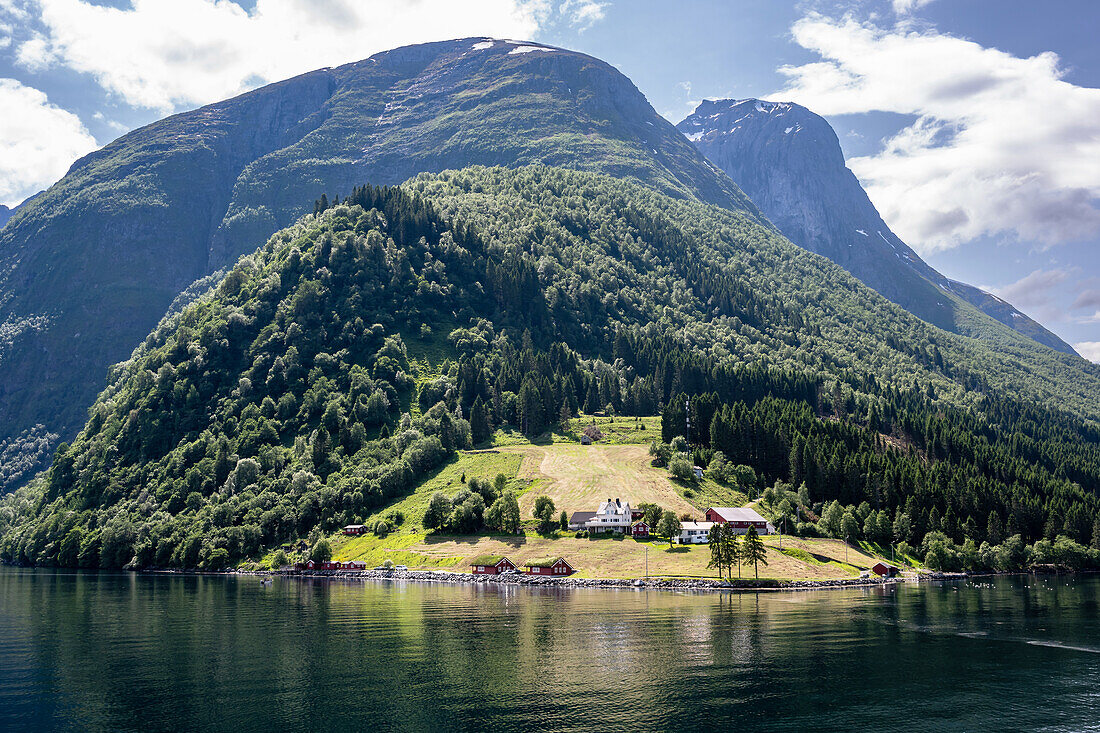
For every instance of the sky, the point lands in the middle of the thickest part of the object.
(973, 124)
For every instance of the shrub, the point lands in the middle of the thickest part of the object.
(680, 467)
(322, 551)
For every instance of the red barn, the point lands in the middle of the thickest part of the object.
(491, 565)
(740, 519)
(640, 530)
(556, 566)
(884, 569)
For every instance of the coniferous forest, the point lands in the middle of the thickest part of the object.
(332, 369)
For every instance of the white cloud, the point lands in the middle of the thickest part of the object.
(35, 53)
(1034, 289)
(583, 14)
(15, 9)
(114, 125)
(166, 55)
(1000, 145)
(1089, 349)
(1093, 319)
(904, 7)
(38, 141)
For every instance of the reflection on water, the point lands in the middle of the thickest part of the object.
(87, 651)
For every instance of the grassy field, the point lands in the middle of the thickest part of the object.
(612, 557)
(579, 477)
(448, 479)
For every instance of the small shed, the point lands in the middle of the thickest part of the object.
(491, 565)
(885, 569)
(355, 529)
(554, 566)
(698, 471)
(585, 440)
(640, 530)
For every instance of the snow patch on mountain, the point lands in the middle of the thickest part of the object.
(527, 49)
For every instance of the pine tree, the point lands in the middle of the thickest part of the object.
(731, 549)
(753, 550)
(717, 551)
(480, 429)
(994, 531)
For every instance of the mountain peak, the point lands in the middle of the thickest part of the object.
(789, 161)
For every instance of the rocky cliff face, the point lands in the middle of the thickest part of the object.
(88, 267)
(789, 162)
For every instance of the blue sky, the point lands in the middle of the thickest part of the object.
(974, 124)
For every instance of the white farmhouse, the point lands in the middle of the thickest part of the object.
(694, 533)
(612, 516)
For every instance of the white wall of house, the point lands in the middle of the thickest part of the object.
(694, 533)
(613, 516)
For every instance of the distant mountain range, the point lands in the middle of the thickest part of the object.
(89, 267)
(788, 160)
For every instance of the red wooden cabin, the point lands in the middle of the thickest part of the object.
(550, 566)
(491, 565)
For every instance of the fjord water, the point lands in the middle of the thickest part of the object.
(86, 651)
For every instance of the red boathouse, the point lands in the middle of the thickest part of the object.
(884, 569)
(556, 566)
(491, 565)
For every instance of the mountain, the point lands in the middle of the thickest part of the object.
(89, 267)
(333, 370)
(7, 213)
(789, 162)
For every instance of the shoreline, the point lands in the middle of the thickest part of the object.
(675, 584)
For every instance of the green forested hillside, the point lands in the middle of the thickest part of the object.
(89, 267)
(295, 395)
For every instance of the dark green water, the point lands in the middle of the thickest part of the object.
(127, 652)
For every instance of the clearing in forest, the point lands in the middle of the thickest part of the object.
(579, 477)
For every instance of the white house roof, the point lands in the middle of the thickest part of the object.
(614, 506)
(738, 514)
(705, 526)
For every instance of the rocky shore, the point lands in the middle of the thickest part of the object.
(739, 584)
